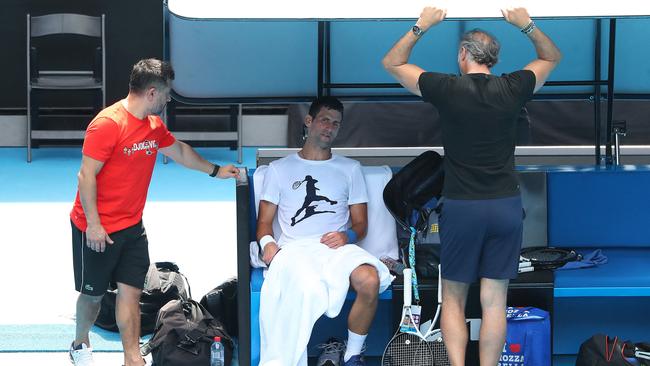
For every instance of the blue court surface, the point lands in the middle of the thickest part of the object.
(49, 337)
(52, 176)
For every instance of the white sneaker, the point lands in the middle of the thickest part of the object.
(82, 355)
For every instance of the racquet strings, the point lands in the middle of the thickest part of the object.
(407, 349)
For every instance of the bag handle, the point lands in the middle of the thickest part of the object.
(170, 266)
(609, 355)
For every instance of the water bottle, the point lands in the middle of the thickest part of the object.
(216, 353)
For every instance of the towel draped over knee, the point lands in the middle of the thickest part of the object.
(305, 280)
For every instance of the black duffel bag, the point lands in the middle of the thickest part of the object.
(411, 189)
(221, 303)
(411, 196)
(183, 336)
(601, 350)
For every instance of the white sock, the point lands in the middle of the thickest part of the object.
(355, 343)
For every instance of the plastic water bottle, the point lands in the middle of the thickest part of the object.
(216, 353)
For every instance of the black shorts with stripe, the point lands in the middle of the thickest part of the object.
(125, 261)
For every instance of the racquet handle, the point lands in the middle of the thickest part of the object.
(439, 284)
(407, 287)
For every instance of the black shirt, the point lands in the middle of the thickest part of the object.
(478, 114)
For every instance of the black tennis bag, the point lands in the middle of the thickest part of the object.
(221, 303)
(163, 283)
(601, 350)
(183, 336)
(412, 187)
(411, 196)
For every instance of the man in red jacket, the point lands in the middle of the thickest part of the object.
(108, 239)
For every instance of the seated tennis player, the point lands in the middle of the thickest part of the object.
(314, 261)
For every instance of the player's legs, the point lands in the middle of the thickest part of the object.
(493, 325)
(452, 320)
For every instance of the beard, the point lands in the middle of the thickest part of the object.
(159, 109)
(325, 143)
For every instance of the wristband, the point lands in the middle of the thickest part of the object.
(352, 236)
(528, 28)
(215, 170)
(265, 240)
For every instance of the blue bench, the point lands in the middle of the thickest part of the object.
(608, 209)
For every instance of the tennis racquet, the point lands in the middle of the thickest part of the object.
(539, 258)
(409, 347)
(297, 184)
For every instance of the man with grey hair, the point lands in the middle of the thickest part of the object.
(481, 211)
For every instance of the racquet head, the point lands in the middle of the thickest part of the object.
(406, 349)
(548, 257)
(440, 356)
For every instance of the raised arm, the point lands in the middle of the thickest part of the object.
(185, 155)
(548, 55)
(396, 60)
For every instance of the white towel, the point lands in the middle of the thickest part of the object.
(256, 258)
(306, 280)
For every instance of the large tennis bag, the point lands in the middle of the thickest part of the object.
(183, 336)
(411, 196)
(412, 187)
(163, 283)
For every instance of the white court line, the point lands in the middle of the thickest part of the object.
(57, 359)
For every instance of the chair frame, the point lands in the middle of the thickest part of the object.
(62, 23)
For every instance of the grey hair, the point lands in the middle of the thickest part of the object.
(483, 48)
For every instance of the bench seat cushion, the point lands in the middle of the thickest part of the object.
(626, 273)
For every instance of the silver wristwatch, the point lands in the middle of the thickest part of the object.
(417, 30)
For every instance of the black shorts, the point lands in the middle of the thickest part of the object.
(480, 238)
(125, 261)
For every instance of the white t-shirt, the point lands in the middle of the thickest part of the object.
(313, 195)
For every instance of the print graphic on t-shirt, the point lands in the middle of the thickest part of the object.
(147, 145)
(310, 197)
